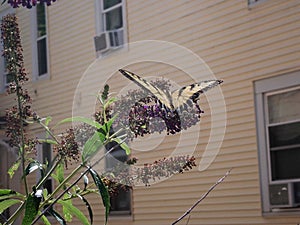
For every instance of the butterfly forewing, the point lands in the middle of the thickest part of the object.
(163, 96)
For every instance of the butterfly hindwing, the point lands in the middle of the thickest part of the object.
(181, 96)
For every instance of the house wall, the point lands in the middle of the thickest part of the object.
(238, 43)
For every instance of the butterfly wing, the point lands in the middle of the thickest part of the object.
(162, 96)
(192, 92)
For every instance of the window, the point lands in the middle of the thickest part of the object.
(45, 156)
(40, 45)
(121, 202)
(278, 134)
(5, 77)
(110, 25)
(254, 2)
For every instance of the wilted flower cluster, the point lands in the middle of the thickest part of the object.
(12, 52)
(68, 148)
(28, 3)
(122, 175)
(164, 168)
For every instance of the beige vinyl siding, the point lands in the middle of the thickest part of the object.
(239, 44)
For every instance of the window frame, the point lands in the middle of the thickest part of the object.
(34, 37)
(263, 88)
(100, 23)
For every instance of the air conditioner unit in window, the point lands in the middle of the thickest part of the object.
(109, 40)
(283, 195)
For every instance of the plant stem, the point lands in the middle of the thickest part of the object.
(22, 147)
(202, 197)
(48, 174)
(69, 187)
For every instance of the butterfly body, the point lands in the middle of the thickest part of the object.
(177, 100)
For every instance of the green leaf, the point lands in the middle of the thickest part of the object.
(102, 190)
(49, 141)
(7, 193)
(59, 176)
(66, 211)
(45, 220)
(47, 120)
(31, 209)
(123, 145)
(80, 119)
(88, 206)
(8, 203)
(91, 147)
(75, 211)
(109, 123)
(33, 166)
(109, 102)
(11, 171)
(57, 216)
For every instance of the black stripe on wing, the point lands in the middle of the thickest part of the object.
(192, 92)
(163, 97)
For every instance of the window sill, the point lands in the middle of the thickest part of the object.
(112, 51)
(282, 212)
(120, 216)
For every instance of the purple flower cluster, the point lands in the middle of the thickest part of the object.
(144, 114)
(28, 3)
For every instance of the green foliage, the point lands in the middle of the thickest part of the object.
(88, 206)
(11, 171)
(57, 216)
(8, 203)
(31, 209)
(103, 191)
(74, 211)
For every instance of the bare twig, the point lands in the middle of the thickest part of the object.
(202, 197)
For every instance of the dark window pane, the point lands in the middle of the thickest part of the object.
(120, 200)
(9, 78)
(110, 3)
(113, 19)
(41, 20)
(47, 153)
(287, 134)
(42, 56)
(285, 164)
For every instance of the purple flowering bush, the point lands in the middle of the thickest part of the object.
(27, 3)
(113, 123)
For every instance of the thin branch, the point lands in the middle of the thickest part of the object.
(75, 182)
(202, 198)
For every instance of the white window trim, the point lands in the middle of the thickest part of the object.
(3, 12)
(261, 88)
(99, 23)
(34, 38)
